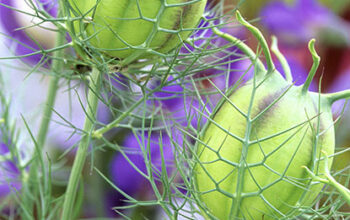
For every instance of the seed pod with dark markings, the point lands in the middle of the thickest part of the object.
(252, 152)
(125, 27)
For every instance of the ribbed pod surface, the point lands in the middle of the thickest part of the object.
(117, 26)
(264, 178)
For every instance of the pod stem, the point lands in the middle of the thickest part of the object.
(242, 46)
(338, 95)
(282, 59)
(56, 68)
(345, 192)
(91, 109)
(316, 62)
(131, 58)
(259, 36)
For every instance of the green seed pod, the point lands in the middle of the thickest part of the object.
(252, 152)
(125, 27)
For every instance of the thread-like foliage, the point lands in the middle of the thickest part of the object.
(157, 108)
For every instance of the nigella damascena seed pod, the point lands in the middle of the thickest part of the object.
(125, 27)
(252, 152)
(264, 167)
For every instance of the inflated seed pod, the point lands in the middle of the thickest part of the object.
(251, 154)
(132, 27)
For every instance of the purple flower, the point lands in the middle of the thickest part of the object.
(33, 36)
(178, 98)
(129, 171)
(8, 174)
(182, 106)
(178, 105)
(305, 19)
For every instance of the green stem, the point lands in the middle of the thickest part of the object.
(242, 46)
(39, 52)
(91, 109)
(98, 134)
(57, 67)
(316, 63)
(50, 101)
(132, 58)
(255, 31)
(338, 95)
(282, 59)
(345, 192)
(331, 181)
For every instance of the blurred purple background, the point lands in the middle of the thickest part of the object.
(294, 24)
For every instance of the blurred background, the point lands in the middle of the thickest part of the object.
(25, 82)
